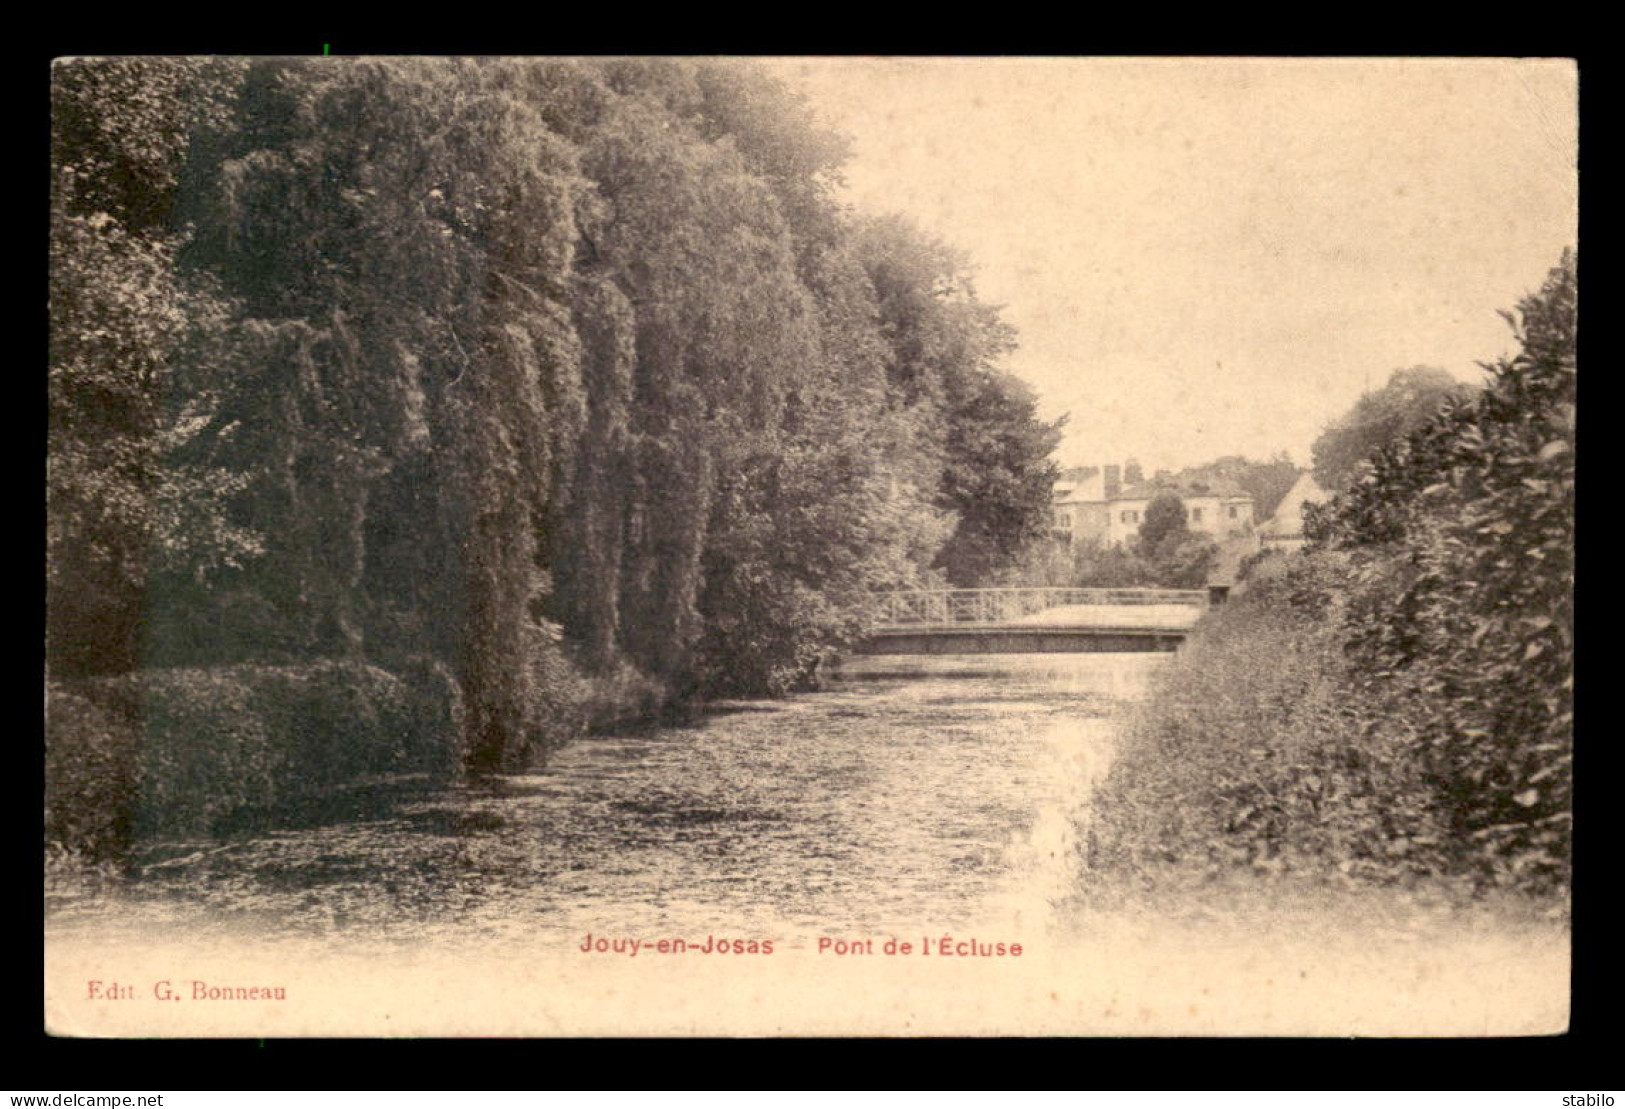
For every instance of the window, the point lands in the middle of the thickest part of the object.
(1234, 511)
(1196, 515)
(1131, 517)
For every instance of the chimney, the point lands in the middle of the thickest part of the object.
(1114, 483)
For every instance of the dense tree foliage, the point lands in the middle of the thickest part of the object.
(1166, 520)
(1184, 560)
(141, 357)
(516, 374)
(1384, 416)
(1461, 541)
(1266, 482)
(994, 473)
(1174, 556)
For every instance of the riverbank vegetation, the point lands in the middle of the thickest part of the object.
(1395, 705)
(417, 414)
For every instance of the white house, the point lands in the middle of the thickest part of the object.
(1091, 504)
(1082, 501)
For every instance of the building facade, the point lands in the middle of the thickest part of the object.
(1091, 504)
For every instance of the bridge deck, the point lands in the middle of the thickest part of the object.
(1172, 617)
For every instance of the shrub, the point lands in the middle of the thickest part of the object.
(1100, 566)
(624, 695)
(557, 704)
(1463, 608)
(1271, 744)
(174, 752)
(91, 773)
(1184, 561)
(1253, 752)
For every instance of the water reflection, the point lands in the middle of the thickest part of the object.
(1122, 677)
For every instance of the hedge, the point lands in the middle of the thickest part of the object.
(174, 752)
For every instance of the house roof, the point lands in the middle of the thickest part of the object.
(1077, 474)
(1072, 495)
(1288, 518)
(1216, 487)
(1068, 490)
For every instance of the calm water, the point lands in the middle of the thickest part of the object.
(928, 794)
(932, 792)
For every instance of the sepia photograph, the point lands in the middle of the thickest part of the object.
(820, 546)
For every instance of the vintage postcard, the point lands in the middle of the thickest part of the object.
(810, 546)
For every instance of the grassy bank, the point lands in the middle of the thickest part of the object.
(1264, 750)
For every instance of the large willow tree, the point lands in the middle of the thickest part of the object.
(505, 371)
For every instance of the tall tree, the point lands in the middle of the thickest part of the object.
(371, 399)
(999, 478)
(1407, 401)
(134, 482)
(995, 455)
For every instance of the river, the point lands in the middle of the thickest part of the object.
(918, 798)
(917, 792)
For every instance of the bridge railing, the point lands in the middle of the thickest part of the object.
(942, 607)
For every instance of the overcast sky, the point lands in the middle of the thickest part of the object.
(1216, 257)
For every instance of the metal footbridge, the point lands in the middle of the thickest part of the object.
(994, 621)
